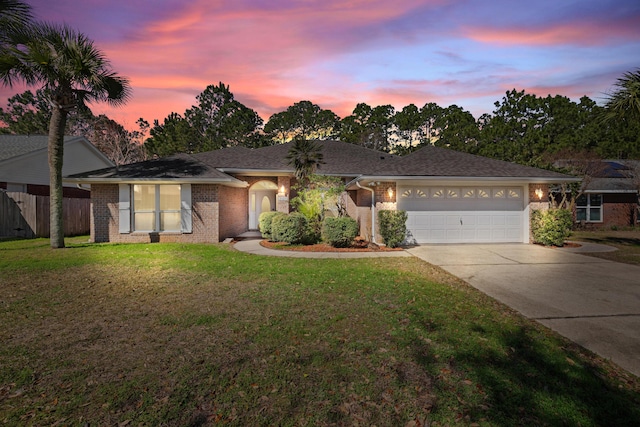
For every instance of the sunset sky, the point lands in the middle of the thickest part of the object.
(336, 54)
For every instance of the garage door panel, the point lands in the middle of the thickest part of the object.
(426, 227)
(514, 220)
(444, 214)
(484, 220)
(498, 220)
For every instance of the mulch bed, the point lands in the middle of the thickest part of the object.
(358, 246)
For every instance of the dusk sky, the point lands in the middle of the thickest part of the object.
(336, 54)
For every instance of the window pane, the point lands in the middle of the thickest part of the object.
(144, 221)
(596, 199)
(581, 200)
(581, 214)
(170, 221)
(144, 197)
(594, 214)
(169, 197)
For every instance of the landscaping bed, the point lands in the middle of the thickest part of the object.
(357, 246)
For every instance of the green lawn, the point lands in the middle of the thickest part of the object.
(627, 241)
(190, 335)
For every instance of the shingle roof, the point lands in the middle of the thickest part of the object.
(178, 166)
(438, 161)
(339, 158)
(18, 145)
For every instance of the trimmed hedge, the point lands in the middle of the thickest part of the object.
(339, 232)
(393, 227)
(551, 227)
(292, 228)
(265, 220)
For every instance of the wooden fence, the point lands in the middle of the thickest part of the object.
(26, 215)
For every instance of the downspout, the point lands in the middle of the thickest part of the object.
(373, 211)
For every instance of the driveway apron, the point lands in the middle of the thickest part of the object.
(593, 302)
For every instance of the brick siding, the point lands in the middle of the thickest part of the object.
(105, 219)
(234, 211)
(618, 209)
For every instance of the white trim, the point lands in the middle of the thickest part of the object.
(124, 208)
(186, 217)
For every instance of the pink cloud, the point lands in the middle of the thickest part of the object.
(583, 33)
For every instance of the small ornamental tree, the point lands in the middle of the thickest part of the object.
(551, 227)
(339, 232)
(393, 227)
(320, 194)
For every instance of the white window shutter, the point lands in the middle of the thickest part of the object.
(185, 208)
(124, 208)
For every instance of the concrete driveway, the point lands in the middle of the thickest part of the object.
(593, 302)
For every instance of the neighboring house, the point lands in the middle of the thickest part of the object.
(610, 194)
(24, 165)
(450, 197)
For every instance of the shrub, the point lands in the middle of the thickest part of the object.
(339, 232)
(393, 227)
(265, 220)
(290, 228)
(551, 227)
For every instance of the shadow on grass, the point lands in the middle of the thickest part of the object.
(522, 377)
(614, 240)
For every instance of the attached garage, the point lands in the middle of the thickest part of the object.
(464, 214)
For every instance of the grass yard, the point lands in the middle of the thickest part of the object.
(627, 241)
(191, 335)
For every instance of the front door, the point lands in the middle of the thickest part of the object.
(260, 201)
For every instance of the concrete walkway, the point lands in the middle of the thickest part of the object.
(592, 301)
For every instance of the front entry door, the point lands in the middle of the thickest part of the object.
(260, 201)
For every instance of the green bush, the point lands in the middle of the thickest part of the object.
(312, 235)
(339, 232)
(265, 220)
(292, 228)
(393, 227)
(551, 227)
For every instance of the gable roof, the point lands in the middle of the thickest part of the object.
(444, 162)
(15, 146)
(175, 168)
(340, 159)
(612, 176)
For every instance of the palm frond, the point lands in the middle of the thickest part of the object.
(624, 101)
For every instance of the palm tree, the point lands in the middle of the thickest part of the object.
(73, 72)
(15, 15)
(305, 156)
(624, 102)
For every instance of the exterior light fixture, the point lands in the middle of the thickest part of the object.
(282, 192)
(390, 192)
(539, 193)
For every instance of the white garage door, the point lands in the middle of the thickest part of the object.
(463, 214)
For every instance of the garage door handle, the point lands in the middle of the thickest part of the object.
(460, 221)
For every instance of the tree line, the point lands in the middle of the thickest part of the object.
(523, 128)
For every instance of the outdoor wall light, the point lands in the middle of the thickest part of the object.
(282, 191)
(390, 192)
(539, 193)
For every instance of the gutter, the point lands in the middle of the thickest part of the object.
(373, 210)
